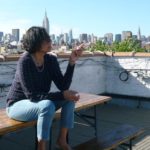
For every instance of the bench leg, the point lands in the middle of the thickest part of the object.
(89, 118)
(95, 121)
(130, 144)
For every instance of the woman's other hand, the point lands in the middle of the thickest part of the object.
(71, 95)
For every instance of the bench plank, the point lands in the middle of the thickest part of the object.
(112, 139)
(87, 100)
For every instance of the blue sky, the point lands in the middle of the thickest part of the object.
(83, 16)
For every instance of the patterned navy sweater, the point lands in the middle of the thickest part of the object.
(30, 83)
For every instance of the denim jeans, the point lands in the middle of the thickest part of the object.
(43, 111)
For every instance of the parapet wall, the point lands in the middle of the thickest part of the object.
(95, 73)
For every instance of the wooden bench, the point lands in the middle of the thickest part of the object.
(122, 135)
(8, 125)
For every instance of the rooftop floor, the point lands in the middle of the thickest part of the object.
(109, 117)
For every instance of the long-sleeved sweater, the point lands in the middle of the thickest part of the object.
(34, 84)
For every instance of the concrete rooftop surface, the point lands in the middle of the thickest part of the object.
(109, 117)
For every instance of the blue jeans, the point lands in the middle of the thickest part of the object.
(43, 111)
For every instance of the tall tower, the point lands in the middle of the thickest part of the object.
(46, 22)
(70, 36)
(15, 34)
(1, 36)
(139, 34)
(109, 38)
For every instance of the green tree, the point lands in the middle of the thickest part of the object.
(99, 46)
(128, 45)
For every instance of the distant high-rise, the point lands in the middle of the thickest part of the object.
(1, 36)
(134, 37)
(126, 35)
(66, 37)
(46, 23)
(53, 37)
(70, 36)
(15, 34)
(108, 38)
(139, 34)
(89, 38)
(118, 38)
(83, 37)
(8, 37)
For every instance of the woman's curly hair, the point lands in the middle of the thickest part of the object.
(33, 39)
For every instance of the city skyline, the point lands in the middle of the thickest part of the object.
(98, 17)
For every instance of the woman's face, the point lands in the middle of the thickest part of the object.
(46, 46)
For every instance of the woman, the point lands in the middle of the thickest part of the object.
(29, 97)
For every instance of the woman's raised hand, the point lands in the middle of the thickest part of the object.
(76, 53)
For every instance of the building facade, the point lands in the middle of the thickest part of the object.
(1, 36)
(118, 38)
(15, 34)
(126, 35)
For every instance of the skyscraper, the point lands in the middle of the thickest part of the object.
(15, 34)
(83, 37)
(66, 37)
(1, 36)
(126, 35)
(46, 23)
(139, 34)
(70, 36)
(118, 38)
(108, 38)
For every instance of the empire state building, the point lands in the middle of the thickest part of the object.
(46, 23)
